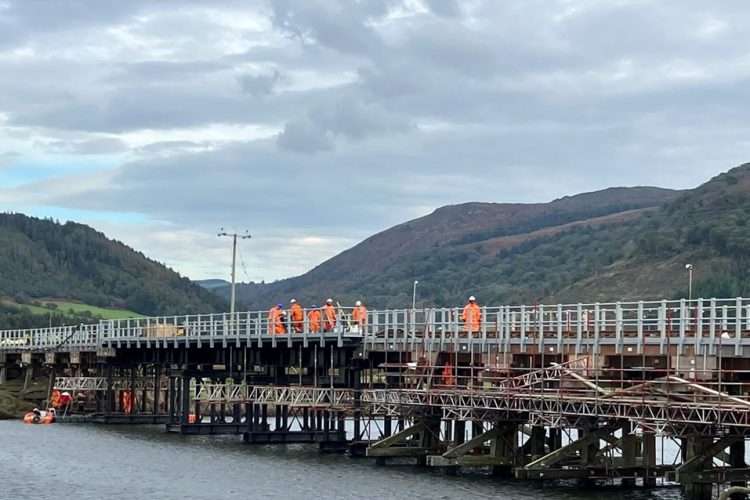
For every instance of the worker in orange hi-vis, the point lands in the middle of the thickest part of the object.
(329, 316)
(472, 316)
(313, 318)
(448, 378)
(297, 316)
(360, 315)
(276, 320)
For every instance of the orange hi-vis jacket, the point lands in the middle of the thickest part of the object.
(448, 378)
(360, 316)
(329, 317)
(275, 321)
(472, 317)
(314, 319)
(297, 317)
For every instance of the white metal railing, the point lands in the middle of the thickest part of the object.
(709, 323)
(62, 337)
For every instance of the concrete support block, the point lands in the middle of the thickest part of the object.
(629, 451)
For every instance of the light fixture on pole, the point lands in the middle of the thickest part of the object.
(234, 263)
(689, 268)
(414, 295)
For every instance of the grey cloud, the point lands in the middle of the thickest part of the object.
(338, 25)
(163, 71)
(356, 120)
(345, 118)
(303, 136)
(104, 145)
(169, 148)
(259, 85)
(445, 8)
(521, 101)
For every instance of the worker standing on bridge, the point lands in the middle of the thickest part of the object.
(472, 316)
(360, 315)
(329, 316)
(313, 317)
(297, 316)
(276, 320)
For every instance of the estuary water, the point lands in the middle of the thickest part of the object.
(144, 462)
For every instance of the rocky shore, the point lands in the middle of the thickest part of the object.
(15, 402)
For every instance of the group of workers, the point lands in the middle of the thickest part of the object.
(325, 318)
(318, 319)
(63, 402)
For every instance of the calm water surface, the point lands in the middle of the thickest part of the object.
(95, 462)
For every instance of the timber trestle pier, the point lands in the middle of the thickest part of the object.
(637, 393)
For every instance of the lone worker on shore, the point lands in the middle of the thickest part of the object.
(313, 318)
(360, 315)
(297, 316)
(472, 316)
(329, 316)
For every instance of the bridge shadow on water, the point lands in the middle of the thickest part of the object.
(232, 468)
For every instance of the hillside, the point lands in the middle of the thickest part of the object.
(212, 283)
(45, 262)
(619, 243)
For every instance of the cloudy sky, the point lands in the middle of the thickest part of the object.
(316, 123)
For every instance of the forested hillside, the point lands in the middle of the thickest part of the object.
(43, 259)
(616, 244)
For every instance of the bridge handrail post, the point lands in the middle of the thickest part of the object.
(641, 320)
(484, 328)
(597, 329)
(560, 320)
(737, 326)
(663, 325)
(619, 330)
(579, 328)
(684, 319)
(712, 326)
(540, 330)
(523, 329)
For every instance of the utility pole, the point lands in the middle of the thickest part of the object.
(234, 263)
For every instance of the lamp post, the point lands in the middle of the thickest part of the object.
(414, 295)
(689, 268)
(234, 263)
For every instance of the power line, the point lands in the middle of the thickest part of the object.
(242, 264)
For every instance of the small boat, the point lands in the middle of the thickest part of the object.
(37, 416)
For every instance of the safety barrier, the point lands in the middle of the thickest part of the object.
(705, 324)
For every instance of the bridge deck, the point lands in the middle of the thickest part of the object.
(704, 325)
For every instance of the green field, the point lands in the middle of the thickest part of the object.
(64, 306)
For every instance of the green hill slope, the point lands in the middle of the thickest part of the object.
(41, 259)
(615, 244)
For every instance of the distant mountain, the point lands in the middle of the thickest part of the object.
(41, 258)
(615, 244)
(210, 284)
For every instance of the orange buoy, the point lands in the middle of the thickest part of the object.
(191, 418)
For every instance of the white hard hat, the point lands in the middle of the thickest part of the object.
(293, 301)
(329, 301)
(358, 303)
(472, 298)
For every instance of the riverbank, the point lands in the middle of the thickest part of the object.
(15, 402)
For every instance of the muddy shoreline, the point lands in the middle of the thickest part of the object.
(15, 402)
